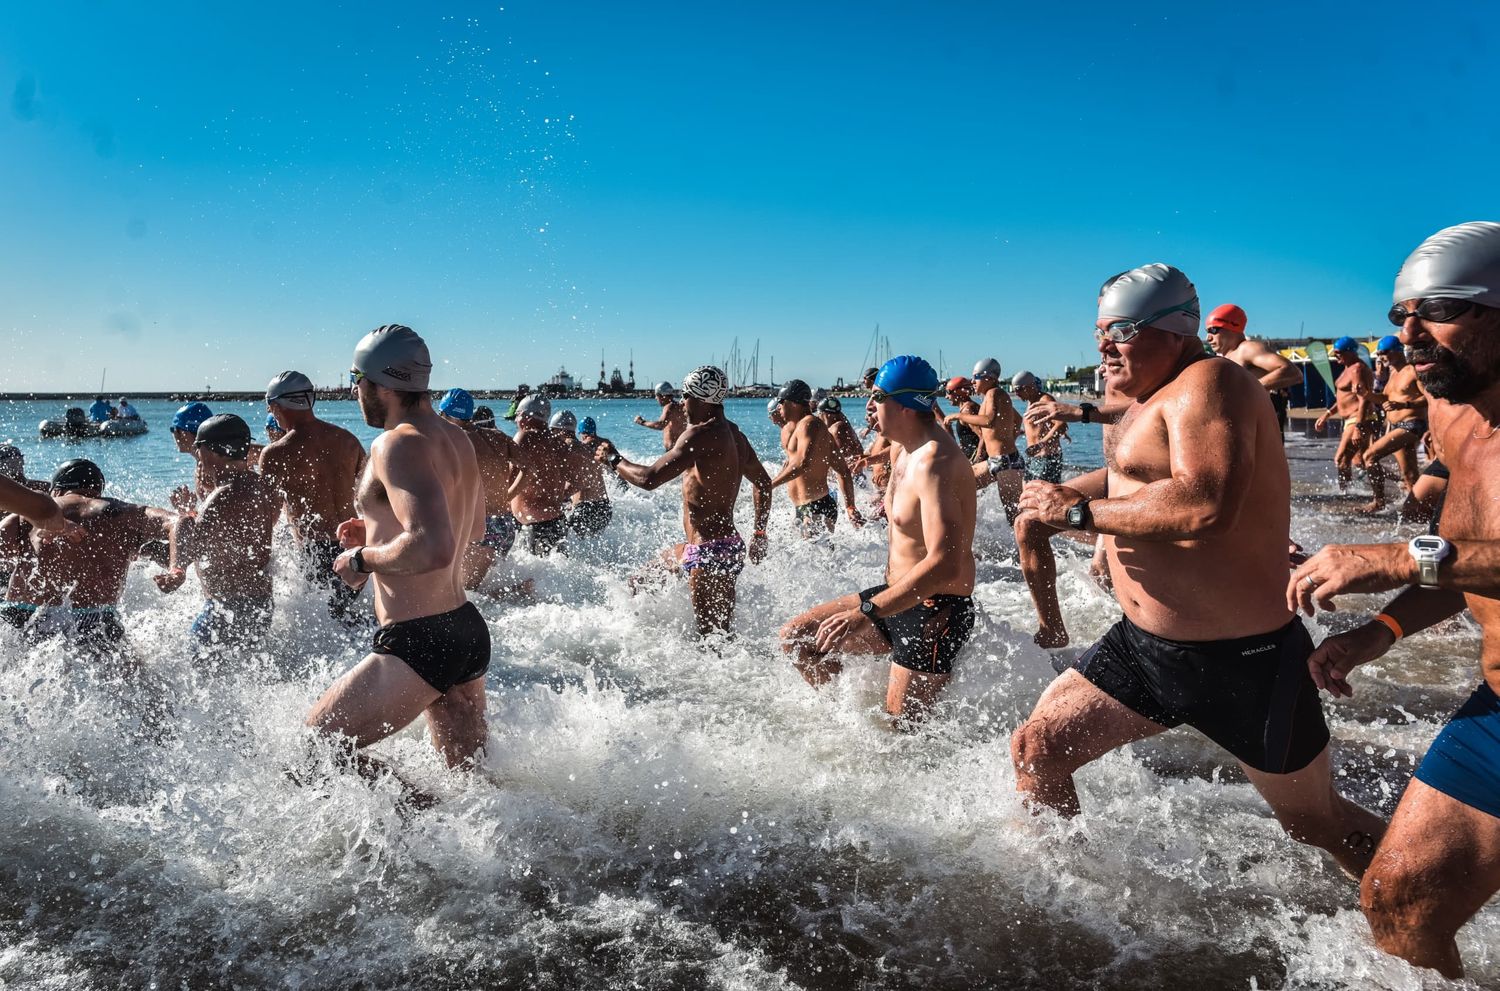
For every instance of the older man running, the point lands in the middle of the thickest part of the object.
(713, 456)
(1198, 487)
(1354, 404)
(810, 456)
(1439, 862)
(1405, 406)
(1225, 329)
(923, 613)
(421, 502)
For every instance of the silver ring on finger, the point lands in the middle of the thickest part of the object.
(1311, 581)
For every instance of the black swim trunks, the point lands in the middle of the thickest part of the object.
(928, 636)
(318, 558)
(547, 536)
(1252, 695)
(445, 650)
(588, 518)
(826, 509)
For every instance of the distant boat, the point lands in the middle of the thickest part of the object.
(75, 423)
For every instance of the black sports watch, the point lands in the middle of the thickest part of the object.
(1079, 517)
(614, 459)
(867, 607)
(359, 560)
(1089, 409)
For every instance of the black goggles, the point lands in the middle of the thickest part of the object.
(1439, 309)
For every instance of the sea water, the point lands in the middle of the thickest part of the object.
(656, 812)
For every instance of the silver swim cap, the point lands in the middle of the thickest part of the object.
(706, 384)
(1154, 295)
(395, 357)
(563, 418)
(666, 389)
(292, 390)
(1460, 262)
(534, 407)
(988, 368)
(1024, 379)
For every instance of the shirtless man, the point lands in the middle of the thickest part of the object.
(1225, 329)
(1354, 403)
(13, 467)
(960, 392)
(997, 424)
(74, 589)
(845, 438)
(810, 456)
(1043, 443)
(591, 510)
(547, 480)
(923, 613)
(1405, 408)
(229, 539)
(495, 453)
(1440, 859)
(773, 412)
(315, 465)
(1198, 487)
(421, 502)
(673, 418)
(184, 430)
(713, 457)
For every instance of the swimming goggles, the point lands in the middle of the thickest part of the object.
(1125, 331)
(1439, 309)
(878, 396)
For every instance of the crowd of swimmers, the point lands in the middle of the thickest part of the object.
(1188, 519)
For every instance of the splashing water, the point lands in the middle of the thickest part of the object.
(654, 812)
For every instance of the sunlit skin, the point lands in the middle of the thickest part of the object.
(495, 454)
(1354, 403)
(315, 465)
(672, 423)
(1439, 862)
(1404, 402)
(998, 425)
(810, 457)
(1197, 483)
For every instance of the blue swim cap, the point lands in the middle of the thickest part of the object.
(271, 423)
(1347, 345)
(191, 417)
(588, 426)
(1389, 342)
(458, 404)
(908, 380)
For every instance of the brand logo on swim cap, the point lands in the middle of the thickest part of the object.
(396, 373)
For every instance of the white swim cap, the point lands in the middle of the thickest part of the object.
(292, 390)
(534, 407)
(1460, 262)
(395, 357)
(707, 384)
(1154, 295)
(565, 419)
(988, 368)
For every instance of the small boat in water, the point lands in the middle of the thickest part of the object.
(75, 423)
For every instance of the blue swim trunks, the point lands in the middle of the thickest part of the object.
(1464, 761)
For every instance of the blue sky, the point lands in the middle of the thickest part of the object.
(202, 193)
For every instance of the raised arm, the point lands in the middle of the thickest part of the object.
(679, 459)
(39, 509)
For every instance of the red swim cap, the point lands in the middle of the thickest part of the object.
(958, 384)
(1228, 316)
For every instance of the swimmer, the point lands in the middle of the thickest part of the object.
(868, 378)
(228, 539)
(484, 418)
(997, 424)
(547, 481)
(522, 391)
(1354, 403)
(673, 418)
(1043, 444)
(845, 439)
(712, 456)
(421, 502)
(1405, 408)
(36, 508)
(1439, 862)
(1197, 488)
(73, 589)
(773, 411)
(315, 466)
(1225, 330)
(810, 456)
(923, 613)
(273, 430)
(495, 453)
(184, 430)
(13, 467)
(588, 436)
(591, 510)
(960, 392)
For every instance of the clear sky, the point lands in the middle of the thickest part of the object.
(196, 192)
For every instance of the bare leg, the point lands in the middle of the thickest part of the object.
(910, 695)
(713, 601)
(1034, 545)
(1438, 864)
(456, 721)
(1312, 811)
(654, 573)
(380, 696)
(1343, 458)
(1073, 724)
(1008, 484)
(798, 638)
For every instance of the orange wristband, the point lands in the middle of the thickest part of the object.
(1391, 624)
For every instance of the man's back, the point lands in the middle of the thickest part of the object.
(316, 465)
(1211, 418)
(495, 453)
(234, 534)
(548, 475)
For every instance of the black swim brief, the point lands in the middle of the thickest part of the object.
(547, 536)
(928, 636)
(588, 518)
(445, 650)
(826, 508)
(1252, 696)
(1416, 425)
(1006, 462)
(318, 561)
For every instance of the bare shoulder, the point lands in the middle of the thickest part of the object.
(1214, 385)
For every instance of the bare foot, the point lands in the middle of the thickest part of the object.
(1049, 638)
(1369, 508)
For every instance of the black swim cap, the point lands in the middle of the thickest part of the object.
(80, 473)
(795, 391)
(225, 434)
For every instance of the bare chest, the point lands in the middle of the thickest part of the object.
(1139, 449)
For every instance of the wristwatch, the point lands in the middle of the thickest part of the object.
(1079, 517)
(1089, 409)
(867, 607)
(1428, 552)
(358, 560)
(614, 459)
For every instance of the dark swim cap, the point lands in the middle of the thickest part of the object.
(225, 434)
(795, 391)
(80, 473)
(908, 380)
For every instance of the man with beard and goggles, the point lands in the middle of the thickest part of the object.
(1439, 861)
